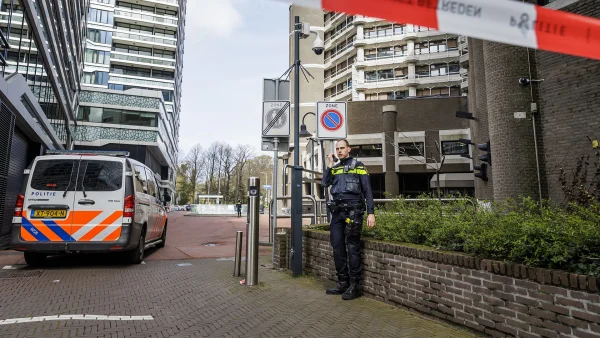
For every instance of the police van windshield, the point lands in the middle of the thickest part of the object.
(58, 175)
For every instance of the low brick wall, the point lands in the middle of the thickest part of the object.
(498, 298)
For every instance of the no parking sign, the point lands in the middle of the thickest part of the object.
(331, 121)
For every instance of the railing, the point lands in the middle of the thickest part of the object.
(394, 33)
(386, 80)
(140, 37)
(333, 18)
(341, 51)
(338, 73)
(337, 34)
(149, 17)
(141, 59)
(339, 94)
(16, 17)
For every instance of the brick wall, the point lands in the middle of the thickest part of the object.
(569, 105)
(497, 298)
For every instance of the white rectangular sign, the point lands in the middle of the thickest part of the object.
(276, 119)
(331, 121)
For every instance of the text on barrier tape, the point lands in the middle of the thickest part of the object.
(511, 22)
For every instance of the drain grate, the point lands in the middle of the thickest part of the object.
(20, 274)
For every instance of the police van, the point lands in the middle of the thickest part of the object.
(88, 202)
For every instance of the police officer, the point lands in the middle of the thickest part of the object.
(238, 207)
(350, 186)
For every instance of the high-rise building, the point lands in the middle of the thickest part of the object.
(371, 59)
(132, 82)
(41, 59)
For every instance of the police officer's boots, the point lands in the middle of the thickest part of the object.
(352, 292)
(340, 287)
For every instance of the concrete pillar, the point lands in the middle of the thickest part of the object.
(513, 153)
(411, 47)
(361, 96)
(360, 54)
(390, 114)
(412, 73)
(478, 106)
(361, 76)
(409, 28)
(412, 91)
(360, 32)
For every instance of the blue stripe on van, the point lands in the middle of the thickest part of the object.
(33, 230)
(58, 231)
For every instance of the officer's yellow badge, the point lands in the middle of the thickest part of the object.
(348, 220)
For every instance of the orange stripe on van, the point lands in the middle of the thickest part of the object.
(43, 228)
(101, 226)
(79, 219)
(26, 236)
(113, 236)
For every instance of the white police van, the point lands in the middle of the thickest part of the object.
(88, 202)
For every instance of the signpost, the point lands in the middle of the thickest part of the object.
(332, 123)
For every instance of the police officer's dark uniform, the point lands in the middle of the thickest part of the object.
(350, 186)
(238, 206)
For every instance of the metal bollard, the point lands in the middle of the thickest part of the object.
(252, 236)
(238, 253)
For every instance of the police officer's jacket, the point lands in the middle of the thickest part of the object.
(349, 181)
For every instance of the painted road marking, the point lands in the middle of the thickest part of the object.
(9, 267)
(71, 317)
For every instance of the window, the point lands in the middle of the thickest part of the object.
(54, 175)
(454, 148)
(167, 12)
(100, 175)
(97, 56)
(370, 150)
(98, 15)
(168, 95)
(140, 179)
(164, 54)
(117, 69)
(152, 188)
(116, 116)
(134, 28)
(99, 78)
(399, 29)
(99, 36)
(165, 33)
(132, 49)
(385, 52)
(136, 7)
(411, 149)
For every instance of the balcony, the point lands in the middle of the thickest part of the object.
(143, 39)
(337, 36)
(406, 81)
(338, 55)
(143, 60)
(464, 84)
(128, 16)
(333, 20)
(344, 93)
(16, 18)
(340, 74)
(402, 58)
(174, 3)
(361, 19)
(129, 80)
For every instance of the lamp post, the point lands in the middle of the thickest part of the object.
(301, 30)
(308, 135)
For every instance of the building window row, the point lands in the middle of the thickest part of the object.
(142, 72)
(98, 78)
(391, 30)
(339, 88)
(396, 95)
(420, 48)
(97, 56)
(146, 9)
(144, 51)
(146, 30)
(386, 74)
(116, 116)
(168, 95)
(99, 36)
(101, 16)
(339, 28)
(339, 68)
(439, 91)
(412, 149)
(438, 69)
(367, 150)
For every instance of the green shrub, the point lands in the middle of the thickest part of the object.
(520, 231)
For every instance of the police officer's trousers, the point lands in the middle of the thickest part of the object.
(345, 240)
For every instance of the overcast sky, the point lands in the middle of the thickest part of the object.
(230, 46)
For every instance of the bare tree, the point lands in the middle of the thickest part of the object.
(195, 162)
(242, 154)
(212, 158)
(227, 162)
(422, 158)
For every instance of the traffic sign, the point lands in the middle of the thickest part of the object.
(276, 119)
(332, 124)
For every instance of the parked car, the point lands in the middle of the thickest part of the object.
(88, 202)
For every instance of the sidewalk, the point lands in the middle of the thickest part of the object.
(199, 299)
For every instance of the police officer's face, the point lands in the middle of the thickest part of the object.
(342, 150)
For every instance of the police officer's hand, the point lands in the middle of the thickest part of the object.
(371, 221)
(330, 159)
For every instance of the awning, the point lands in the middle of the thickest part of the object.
(454, 180)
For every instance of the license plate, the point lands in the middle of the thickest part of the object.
(49, 213)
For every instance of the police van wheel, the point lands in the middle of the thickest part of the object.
(163, 238)
(35, 258)
(136, 256)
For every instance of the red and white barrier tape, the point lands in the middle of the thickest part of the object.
(511, 22)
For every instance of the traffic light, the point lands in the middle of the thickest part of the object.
(487, 158)
(482, 168)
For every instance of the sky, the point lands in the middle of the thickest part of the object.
(230, 46)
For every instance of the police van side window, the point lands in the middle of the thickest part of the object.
(54, 175)
(101, 175)
(140, 179)
(151, 183)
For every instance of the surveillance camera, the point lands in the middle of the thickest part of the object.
(524, 81)
(318, 46)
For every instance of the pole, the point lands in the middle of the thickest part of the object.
(312, 164)
(252, 237)
(296, 251)
(238, 253)
(274, 196)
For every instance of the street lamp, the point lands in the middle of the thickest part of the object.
(301, 31)
(308, 135)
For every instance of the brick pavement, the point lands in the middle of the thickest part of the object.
(201, 300)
